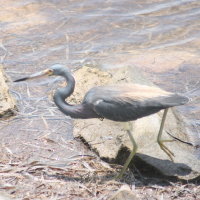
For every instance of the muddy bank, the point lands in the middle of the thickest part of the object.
(38, 155)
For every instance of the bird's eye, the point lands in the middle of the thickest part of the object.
(50, 72)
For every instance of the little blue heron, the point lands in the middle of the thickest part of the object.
(122, 103)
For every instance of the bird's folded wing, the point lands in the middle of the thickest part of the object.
(127, 109)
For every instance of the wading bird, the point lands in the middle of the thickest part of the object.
(122, 103)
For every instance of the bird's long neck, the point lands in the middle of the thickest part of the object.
(74, 111)
(62, 93)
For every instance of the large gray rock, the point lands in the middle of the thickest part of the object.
(107, 137)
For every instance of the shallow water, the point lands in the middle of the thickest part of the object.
(35, 32)
(159, 36)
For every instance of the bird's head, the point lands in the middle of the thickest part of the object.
(57, 70)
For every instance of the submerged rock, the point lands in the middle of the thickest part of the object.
(109, 140)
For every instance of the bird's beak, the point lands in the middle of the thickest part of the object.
(47, 72)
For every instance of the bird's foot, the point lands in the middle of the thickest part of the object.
(165, 149)
(121, 173)
(123, 170)
(167, 141)
(118, 177)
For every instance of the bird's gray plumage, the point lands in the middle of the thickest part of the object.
(130, 101)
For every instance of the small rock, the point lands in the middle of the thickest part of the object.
(124, 193)
(7, 103)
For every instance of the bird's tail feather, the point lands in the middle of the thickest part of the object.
(175, 100)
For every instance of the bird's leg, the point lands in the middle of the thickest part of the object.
(160, 142)
(128, 128)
